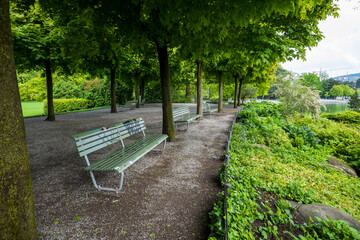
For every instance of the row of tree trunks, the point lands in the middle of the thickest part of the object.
(49, 87)
(188, 92)
(136, 80)
(221, 86)
(17, 216)
(236, 90)
(168, 120)
(239, 94)
(112, 90)
(142, 89)
(199, 98)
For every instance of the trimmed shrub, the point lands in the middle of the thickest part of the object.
(345, 117)
(67, 105)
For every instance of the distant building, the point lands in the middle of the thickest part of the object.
(350, 77)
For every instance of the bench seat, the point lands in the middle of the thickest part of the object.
(182, 115)
(94, 140)
(129, 105)
(125, 157)
(207, 109)
(188, 118)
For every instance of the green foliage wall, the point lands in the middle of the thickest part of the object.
(67, 105)
(32, 86)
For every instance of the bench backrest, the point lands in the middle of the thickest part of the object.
(206, 106)
(91, 141)
(133, 102)
(181, 111)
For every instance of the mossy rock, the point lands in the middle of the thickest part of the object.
(303, 212)
(337, 164)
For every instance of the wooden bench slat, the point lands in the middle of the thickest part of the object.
(133, 151)
(101, 138)
(85, 150)
(124, 157)
(188, 118)
(99, 130)
(106, 135)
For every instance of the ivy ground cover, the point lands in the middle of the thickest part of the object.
(274, 159)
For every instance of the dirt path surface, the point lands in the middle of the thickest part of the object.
(165, 195)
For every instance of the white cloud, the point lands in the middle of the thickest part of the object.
(339, 53)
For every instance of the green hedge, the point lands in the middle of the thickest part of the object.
(346, 117)
(67, 105)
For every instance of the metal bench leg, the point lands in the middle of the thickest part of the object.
(121, 182)
(160, 150)
(98, 187)
(114, 189)
(181, 129)
(164, 145)
(94, 180)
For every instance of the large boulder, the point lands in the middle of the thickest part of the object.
(303, 212)
(337, 164)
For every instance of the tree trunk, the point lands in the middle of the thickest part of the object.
(239, 95)
(142, 89)
(112, 90)
(199, 98)
(220, 92)
(17, 216)
(136, 80)
(168, 121)
(50, 95)
(187, 92)
(236, 90)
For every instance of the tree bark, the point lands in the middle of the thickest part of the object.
(236, 90)
(220, 103)
(239, 95)
(187, 92)
(50, 95)
(168, 120)
(142, 89)
(136, 80)
(17, 216)
(199, 98)
(112, 90)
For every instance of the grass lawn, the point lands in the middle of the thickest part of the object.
(32, 109)
(35, 109)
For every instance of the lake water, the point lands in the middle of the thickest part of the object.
(334, 107)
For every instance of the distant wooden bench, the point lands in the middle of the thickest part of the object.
(182, 115)
(129, 104)
(207, 109)
(91, 141)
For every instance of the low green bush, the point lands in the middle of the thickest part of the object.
(345, 117)
(67, 105)
(294, 167)
(342, 139)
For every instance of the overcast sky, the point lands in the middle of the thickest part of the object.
(339, 49)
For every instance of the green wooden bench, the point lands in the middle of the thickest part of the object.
(141, 101)
(129, 105)
(91, 141)
(207, 109)
(182, 115)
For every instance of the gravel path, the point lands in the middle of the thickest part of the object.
(165, 195)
